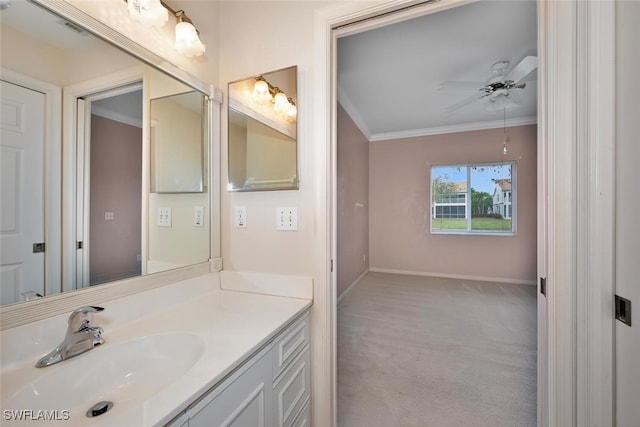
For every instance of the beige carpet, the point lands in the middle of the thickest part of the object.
(420, 351)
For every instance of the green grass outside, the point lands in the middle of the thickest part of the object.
(488, 224)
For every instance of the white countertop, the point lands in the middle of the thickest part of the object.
(231, 324)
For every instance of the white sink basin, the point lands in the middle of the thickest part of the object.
(125, 373)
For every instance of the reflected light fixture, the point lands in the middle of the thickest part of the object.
(156, 13)
(261, 90)
(280, 101)
(264, 92)
(292, 110)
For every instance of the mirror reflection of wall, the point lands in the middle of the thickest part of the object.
(79, 209)
(262, 133)
(115, 187)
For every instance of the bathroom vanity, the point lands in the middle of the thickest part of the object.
(193, 353)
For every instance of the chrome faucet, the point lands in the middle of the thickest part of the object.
(80, 337)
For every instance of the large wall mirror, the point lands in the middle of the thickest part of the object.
(104, 161)
(263, 132)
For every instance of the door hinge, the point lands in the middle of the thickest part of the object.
(38, 247)
(623, 310)
(543, 286)
(79, 245)
(332, 266)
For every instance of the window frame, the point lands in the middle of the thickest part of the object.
(469, 231)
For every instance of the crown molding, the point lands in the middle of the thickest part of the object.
(464, 127)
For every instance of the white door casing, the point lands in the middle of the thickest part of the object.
(22, 208)
(627, 268)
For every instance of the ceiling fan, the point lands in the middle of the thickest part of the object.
(499, 91)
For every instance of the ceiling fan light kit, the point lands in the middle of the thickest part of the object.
(497, 91)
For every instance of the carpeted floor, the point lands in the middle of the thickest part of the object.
(424, 351)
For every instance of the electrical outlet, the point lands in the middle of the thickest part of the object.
(241, 217)
(198, 216)
(108, 216)
(287, 219)
(164, 217)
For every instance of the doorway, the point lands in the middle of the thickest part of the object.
(384, 90)
(111, 164)
(103, 147)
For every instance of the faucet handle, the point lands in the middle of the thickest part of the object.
(81, 317)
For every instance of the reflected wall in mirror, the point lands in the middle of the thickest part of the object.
(76, 203)
(262, 136)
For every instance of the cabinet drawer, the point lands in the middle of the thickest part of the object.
(292, 390)
(287, 347)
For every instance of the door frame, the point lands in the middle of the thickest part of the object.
(576, 141)
(74, 261)
(83, 174)
(52, 173)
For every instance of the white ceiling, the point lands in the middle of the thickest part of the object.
(389, 77)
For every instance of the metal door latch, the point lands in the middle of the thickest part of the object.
(623, 310)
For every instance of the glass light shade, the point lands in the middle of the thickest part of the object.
(148, 12)
(280, 102)
(291, 111)
(187, 41)
(261, 91)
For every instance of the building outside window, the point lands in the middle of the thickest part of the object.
(473, 199)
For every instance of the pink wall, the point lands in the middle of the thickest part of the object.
(116, 186)
(399, 228)
(353, 202)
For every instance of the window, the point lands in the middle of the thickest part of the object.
(473, 199)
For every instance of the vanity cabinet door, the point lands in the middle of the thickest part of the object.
(304, 417)
(292, 390)
(243, 400)
(289, 344)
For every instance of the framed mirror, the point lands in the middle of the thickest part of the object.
(93, 217)
(177, 143)
(262, 136)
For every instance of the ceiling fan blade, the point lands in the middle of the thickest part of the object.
(465, 102)
(452, 86)
(522, 70)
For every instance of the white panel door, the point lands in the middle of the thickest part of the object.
(22, 191)
(627, 212)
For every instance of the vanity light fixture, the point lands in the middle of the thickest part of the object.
(187, 40)
(156, 13)
(148, 12)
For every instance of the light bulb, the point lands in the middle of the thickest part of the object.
(281, 103)
(187, 41)
(261, 91)
(148, 12)
(292, 111)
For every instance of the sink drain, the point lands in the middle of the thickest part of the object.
(99, 409)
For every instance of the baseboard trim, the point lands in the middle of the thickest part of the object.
(351, 286)
(451, 276)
